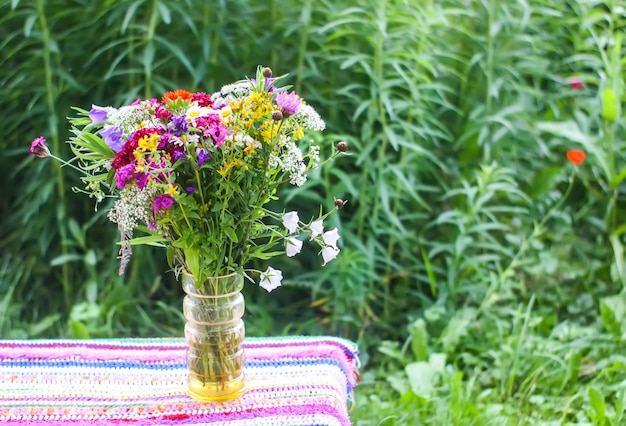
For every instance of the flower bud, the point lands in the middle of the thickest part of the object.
(342, 146)
(38, 148)
(267, 72)
(339, 203)
(277, 115)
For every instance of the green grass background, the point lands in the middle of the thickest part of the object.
(481, 273)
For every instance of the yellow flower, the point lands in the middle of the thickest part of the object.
(250, 149)
(171, 189)
(149, 143)
(269, 131)
(225, 168)
(298, 133)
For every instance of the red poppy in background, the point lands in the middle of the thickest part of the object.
(576, 84)
(576, 156)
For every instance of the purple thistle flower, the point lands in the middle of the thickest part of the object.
(123, 174)
(288, 103)
(112, 135)
(97, 114)
(38, 148)
(163, 201)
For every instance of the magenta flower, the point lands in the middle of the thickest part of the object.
(163, 201)
(576, 84)
(97, 114)
(38, 148)
(123, 174)
(288, 103)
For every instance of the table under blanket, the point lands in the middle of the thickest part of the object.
(290, 381)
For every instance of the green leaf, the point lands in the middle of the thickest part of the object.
(419, 339)
(613, 312)
(192, 259)
(610, 105)
(79, 330)
(598, 405)
(231, 234)
(151, 240)
(423, 376)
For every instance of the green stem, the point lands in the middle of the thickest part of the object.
(304, 40)
(489, 82)
(51, 97)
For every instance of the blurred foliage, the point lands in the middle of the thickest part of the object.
(481, 273)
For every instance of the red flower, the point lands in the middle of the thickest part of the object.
(576, 156)
(576, 84)
(176, 94)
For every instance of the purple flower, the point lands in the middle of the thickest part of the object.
(163, 201)
(142, 180)
(38, 148)
(97, 114)
(179, 155)
(179, 125)
(112, 135)
(202, 156)
(268, 86)
(123, 174)
(190, 190)
(288, 103)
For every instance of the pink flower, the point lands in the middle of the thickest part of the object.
(38, 148)
(123, 174)
(288, 103)
(576, 84)
(163, 201)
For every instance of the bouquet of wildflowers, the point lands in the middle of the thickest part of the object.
(194, 172)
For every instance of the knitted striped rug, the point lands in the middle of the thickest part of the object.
(290, 381)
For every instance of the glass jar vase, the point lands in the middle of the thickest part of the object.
(214, 331)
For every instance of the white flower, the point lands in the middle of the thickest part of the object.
(329, 253)
(290, 220)
(331, 237)
(317, 228)
(271, 279)
(292, 246)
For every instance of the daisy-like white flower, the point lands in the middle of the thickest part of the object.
(329, 253)
(271, 279)
(316, 227)
(293, 246)
(331, 237)
(290, 221)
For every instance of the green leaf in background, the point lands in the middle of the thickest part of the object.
(610, 105)
(419, 339)
(613, 313)
(424, 375)
(598, 405)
